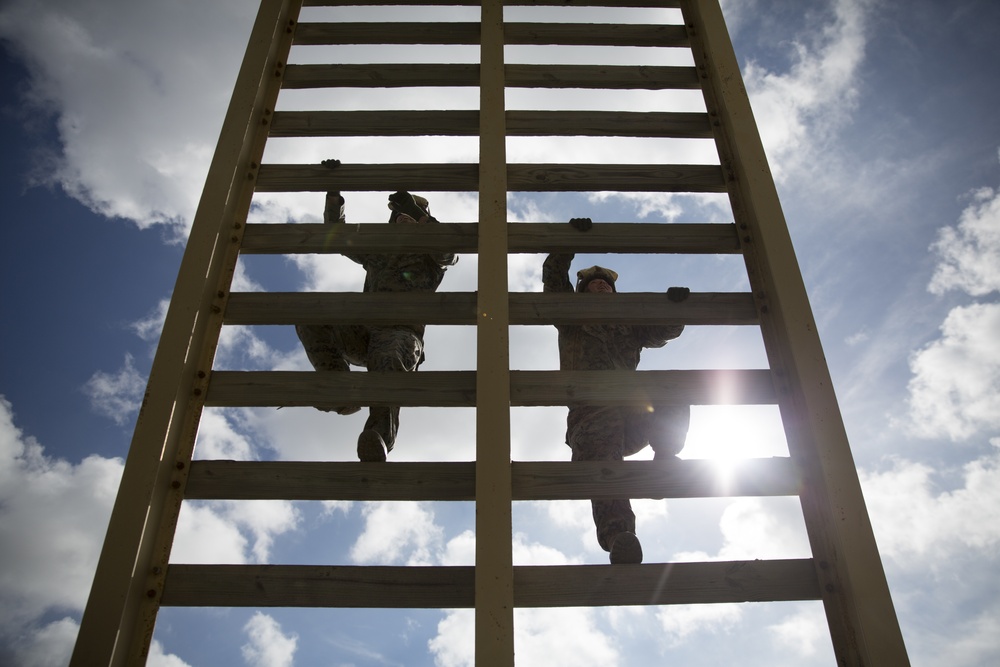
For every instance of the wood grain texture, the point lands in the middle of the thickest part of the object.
(459, 308)
(336, 586)
(455, 481)
(465, 178)
(565, 34)
(457, 388)
(466, 123)
(436, 75)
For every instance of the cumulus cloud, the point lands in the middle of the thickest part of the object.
(970, 252)
(268, 646)
(52, 519)
(955, 388)
(398, 532)
(217, 531)
(146, 161)
(796, 111)
(918, 524)
(117, 395)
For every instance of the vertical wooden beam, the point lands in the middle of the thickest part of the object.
(494, 564)
(167, 421)
(859, 609)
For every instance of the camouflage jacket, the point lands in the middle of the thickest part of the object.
(599, 346)
(394, 273)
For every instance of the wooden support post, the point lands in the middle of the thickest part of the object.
(859, 610)
(170, 411)
(494, 584)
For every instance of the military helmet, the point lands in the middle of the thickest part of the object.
(397, 210)
(584, 276)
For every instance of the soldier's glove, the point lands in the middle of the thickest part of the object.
(331, 163)
(678, 294)
(402, 202)
(581, 224)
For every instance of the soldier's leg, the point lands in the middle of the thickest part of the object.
(334, 348)
(597, 434)
(390, 349)
(664, 428)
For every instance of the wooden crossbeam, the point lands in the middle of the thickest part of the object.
(455, 481)
(457, 389)
(564, 34)
(407, 75)
(525, 237)
(465, 178)
(336, 586)
(459, 308)
(466, 123)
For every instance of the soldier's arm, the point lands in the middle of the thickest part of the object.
(657, 336)
(555, 272)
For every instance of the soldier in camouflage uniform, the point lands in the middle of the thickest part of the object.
(600, 433)
(378, 348)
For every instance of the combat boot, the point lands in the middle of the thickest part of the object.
(371, 448)
(625, 549)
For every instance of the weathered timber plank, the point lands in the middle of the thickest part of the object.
(318, 586)
(676, 478)
(603, 77)
(615, 177)
(466, 123)
(528, 237)
(374, 123)
(565, 34)
(665, 583)
(664, 4)
(400, 75)
(457, 388)
(459, 308)
(609, 124)
(386, 33)
(531, 480)
(465, 178)
(586, 34)
(614, 388)
(452, 587)
(308, 388)
(368, 178)
(301, 480)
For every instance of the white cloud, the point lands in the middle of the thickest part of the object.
(214, 531)
(918, 526)
(146, 157)
(970, 252)
(798, 110)
(268, 646)
(52, 520)
(117, 396)
(398, 532)
(802, 632)
(682, 622)
(955, 388)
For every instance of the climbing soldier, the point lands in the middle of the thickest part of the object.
(604, 433)
(378, 348)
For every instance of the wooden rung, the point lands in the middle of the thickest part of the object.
(465, 178)
(336, 586)
(658, 4)
(562, 34)
(530, 480)
(526, 237)
(407, 75)
(457, 389)
(466, 123)
(459, 308)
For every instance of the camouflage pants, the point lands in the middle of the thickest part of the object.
(610, 434)
(379, 349)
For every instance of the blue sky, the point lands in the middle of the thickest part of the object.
(880, 123)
